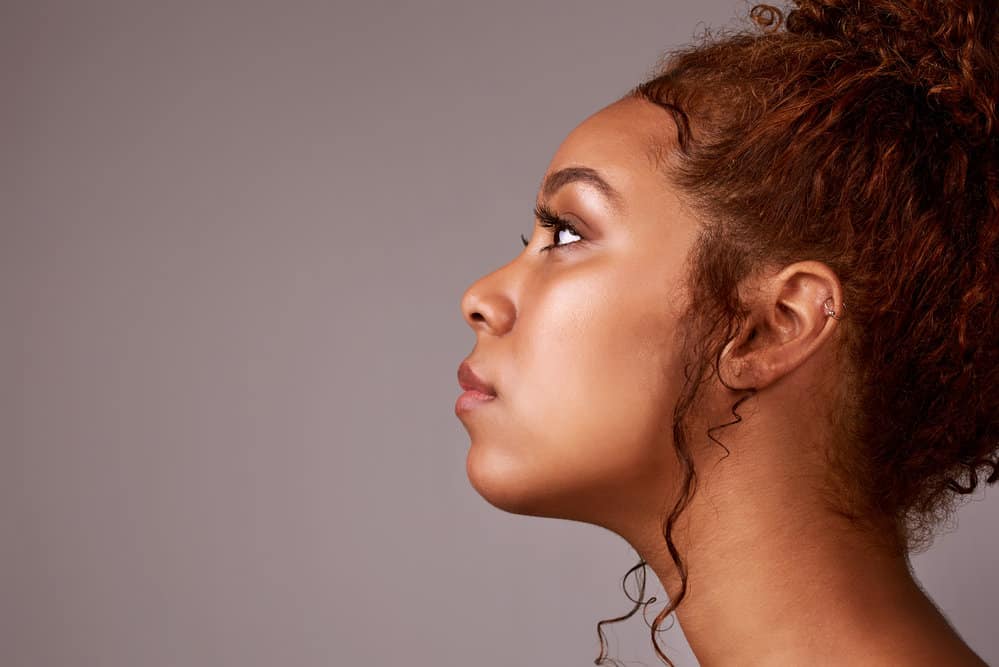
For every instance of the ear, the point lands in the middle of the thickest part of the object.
(787, 322)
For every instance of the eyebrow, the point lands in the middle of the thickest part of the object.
(556, 180)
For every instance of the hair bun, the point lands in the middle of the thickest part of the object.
(948, 49)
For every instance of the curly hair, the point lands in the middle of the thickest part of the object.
(862, 134)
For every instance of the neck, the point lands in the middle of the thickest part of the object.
(776, 578)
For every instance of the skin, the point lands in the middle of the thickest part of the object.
(581, 345)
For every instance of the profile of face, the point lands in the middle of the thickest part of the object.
(579, 340)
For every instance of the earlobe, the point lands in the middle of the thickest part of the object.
(736, 360)
(793, 313)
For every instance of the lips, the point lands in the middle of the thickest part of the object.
(469, 381)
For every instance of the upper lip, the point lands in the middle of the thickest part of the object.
(469, 381)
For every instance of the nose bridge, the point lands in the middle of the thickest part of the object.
(490, 302)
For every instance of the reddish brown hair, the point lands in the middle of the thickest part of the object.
(863, 135)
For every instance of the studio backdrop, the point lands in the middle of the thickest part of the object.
(233, 241)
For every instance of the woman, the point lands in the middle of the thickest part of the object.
(754, 331)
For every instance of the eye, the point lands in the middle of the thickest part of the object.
(550, 220)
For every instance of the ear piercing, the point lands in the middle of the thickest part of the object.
(831, 312)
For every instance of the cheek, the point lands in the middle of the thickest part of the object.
(595, 377)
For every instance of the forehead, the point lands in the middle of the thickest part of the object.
(618, 141)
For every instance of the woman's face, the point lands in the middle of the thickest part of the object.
(579, 340)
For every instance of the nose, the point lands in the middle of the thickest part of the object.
(487, 305)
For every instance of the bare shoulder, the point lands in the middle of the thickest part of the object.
(958, 656)
(889, 649)
(952, 651)
(928, 639)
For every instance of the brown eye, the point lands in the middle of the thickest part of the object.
(557, 228)
(550, 220)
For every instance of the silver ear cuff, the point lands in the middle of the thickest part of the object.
(831, 312)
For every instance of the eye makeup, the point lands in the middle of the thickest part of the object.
(548, 219)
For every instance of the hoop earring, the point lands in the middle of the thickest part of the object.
(831, 312)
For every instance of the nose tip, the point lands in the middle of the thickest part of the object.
(471, 308)
(486, 306)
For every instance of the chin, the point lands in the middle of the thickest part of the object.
(506, 483)
(496, 477)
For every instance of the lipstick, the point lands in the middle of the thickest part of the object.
(477, 390)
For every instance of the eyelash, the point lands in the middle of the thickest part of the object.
(550, 220)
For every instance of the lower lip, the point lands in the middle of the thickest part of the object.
(470, 399)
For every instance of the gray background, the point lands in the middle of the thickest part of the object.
(234, 241)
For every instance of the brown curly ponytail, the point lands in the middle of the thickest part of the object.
(864, 134)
